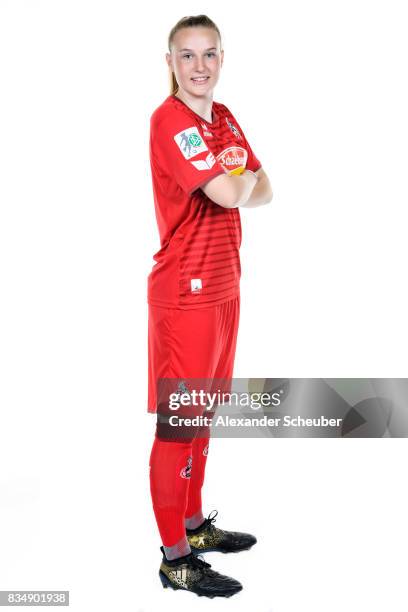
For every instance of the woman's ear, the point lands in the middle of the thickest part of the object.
(168, 60)
(222, 56)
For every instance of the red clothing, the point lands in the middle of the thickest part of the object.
(197, 344)
(198, 263)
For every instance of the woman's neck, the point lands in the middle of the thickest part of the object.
(201, 106)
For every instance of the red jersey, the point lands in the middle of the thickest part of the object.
(198, 263)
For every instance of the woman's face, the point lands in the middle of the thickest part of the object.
(196, 52)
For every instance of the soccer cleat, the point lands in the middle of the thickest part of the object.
(190, 573)
(208, 538)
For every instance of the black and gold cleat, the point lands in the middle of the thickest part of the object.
(208, 538)
(190, 573)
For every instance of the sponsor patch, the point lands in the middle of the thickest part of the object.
(190, 142)
(233, 158)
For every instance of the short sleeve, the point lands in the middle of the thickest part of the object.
(178, 146)
(253, 162)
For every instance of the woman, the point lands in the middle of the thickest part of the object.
(203, 170)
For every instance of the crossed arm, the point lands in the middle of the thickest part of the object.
(261, 193)
(247, 190)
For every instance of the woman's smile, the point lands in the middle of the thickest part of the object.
(199, 80)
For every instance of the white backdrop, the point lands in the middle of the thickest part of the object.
(320, 91)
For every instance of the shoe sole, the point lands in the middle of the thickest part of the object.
(166, 582)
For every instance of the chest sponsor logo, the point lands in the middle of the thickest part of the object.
(233, 159)
(233, 129)
(190, 142)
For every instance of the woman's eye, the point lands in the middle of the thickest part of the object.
(209, 54)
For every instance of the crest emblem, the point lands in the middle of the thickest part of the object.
(233, 128)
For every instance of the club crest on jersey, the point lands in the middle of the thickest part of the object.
(233, 128)
(205, 450)
(233, 158)
(190, 142)
(186, 471)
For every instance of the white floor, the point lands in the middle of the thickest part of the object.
(329, 516)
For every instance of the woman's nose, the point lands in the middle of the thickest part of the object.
(200, 64)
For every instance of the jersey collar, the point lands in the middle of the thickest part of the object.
(214, 113)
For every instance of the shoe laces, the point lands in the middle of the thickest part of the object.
(198, 562)
(211, 518)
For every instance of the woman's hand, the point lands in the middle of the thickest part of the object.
(261, 193)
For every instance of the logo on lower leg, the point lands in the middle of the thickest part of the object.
(186, 471)
(205, 450)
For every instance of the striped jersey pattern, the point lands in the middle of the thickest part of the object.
(198, 263)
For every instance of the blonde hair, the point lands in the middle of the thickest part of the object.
(188, 22)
